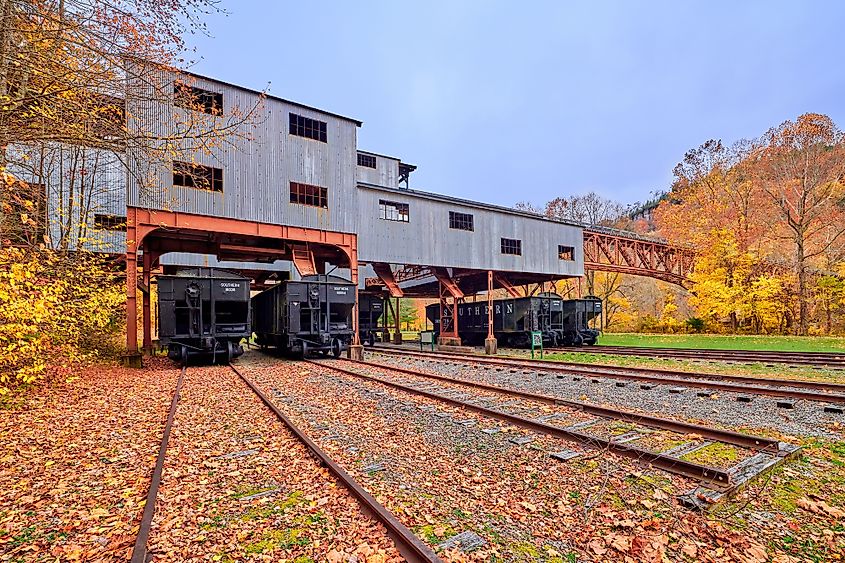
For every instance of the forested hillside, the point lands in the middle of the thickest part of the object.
(766, 217)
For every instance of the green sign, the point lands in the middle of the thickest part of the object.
(536, 342)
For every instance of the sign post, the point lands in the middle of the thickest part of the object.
(427, 337)
(536, 342)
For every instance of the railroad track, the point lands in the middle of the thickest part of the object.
(714, 483)
(409, 545)
(830, 360)
(831, 393)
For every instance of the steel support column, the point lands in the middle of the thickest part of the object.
(146, 318)
(448, 317)
(490, 344)
(397, 336)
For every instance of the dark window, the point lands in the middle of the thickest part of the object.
(512, 246)
(306, 194)
(393, 211)
(109, 222)
(189, 175)
(462, 221)
(197, 99)
(307, 127)
(366, 160)
(566, 252)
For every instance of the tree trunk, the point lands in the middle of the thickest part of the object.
(802, 287)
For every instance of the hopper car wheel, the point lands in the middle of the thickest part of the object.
(579, 340)
(230, 351)
(371, 339)
(336, 348)
(304, 349)
(183, 356)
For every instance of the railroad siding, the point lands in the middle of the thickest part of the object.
(427, 239)
(259, 160)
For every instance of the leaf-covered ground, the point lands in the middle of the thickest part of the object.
(442, 475)
(76, 464)
(237, 486)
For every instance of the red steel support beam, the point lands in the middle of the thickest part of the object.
(505, 283)
(387, 278)
(489, 304)
(145, 276)
(160, 232)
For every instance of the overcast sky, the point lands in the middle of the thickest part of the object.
(508, 101)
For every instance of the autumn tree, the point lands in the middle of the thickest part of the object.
(588, 209)
(73, 76)
(801, 169)
(75, 79)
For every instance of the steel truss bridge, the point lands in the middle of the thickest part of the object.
(605, 249)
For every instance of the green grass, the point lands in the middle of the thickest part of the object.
(728, 342)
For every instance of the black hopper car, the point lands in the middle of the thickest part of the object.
(370, 311)
(203, 312)
(310, 315)
(562, 322)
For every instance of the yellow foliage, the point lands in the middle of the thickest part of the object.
(56, 312)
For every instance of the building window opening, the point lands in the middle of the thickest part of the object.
(393, 211)
(308, 128)
(188, 175)
(461, 221)
(512, 246)
(566, 252)
(306, 194)
(197, 99)
(366, 160)
(109, 222)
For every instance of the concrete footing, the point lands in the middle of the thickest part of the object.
(491, 346)
(355, 352)
(448, 341)
(132, 360)
(397, 337)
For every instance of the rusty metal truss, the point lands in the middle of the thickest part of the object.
(612, 252)
(401, 274)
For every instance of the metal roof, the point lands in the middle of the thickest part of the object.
(269, 96)
(467, 202)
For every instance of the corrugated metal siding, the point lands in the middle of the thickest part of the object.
(257, 167)
(74, 176)
(386, 172)
(427, 239)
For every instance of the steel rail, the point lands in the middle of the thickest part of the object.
(823, 359)
(775, 381)
(643, 374)
(139, 552)
(409, 545)
(714, 477)
(728, 436)
(840, 356)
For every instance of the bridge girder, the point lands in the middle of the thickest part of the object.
(609, 252)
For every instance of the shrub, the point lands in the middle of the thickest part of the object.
(695, 324)
(57, 311)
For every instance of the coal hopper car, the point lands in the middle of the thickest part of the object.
(203, 312)
(562, 322)
(575, 321)
(313, 314)
(370, 311)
